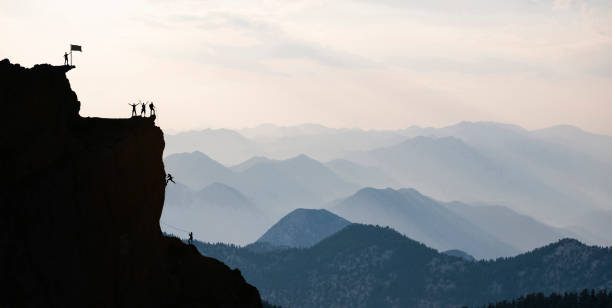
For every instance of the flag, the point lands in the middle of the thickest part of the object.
(75, 48)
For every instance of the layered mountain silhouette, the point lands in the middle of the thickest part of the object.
(224, 145)
(277, 186)
(422, 219)
(197, 170)
(81, 201)
(519, 231)
(365, 176)
(451, 169)
(303, 228)
(368, 266)
(250, 163)
(215, 213)
(317, 141)
(595, 145)
(554, 175)
(563, 169)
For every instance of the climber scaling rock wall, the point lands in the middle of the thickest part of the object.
(81, 200)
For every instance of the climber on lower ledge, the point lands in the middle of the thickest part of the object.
(170, 178)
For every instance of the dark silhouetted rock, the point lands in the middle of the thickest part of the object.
(81, 200)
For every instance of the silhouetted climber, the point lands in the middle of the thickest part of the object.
(152, 108)
(143, 110)
(65, 58)
(133, 109)
(170, 178)
(190, 238)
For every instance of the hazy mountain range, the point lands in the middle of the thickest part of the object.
(502, 164)
(460, 229)
(519, 231)
(277, 186)
(558, 175)
(274, 188)
(367, 266)
(422, 219)
(215, 213)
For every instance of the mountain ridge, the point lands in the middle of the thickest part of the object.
(372, 266)
(420, 218)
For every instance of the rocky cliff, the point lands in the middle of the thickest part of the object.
(80, 205)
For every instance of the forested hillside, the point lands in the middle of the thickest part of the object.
(370, 266)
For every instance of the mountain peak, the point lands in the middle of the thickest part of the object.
(219, 194)
(196, 169)
(250, 163)
(479, 125)
(195, 155)
(360, 235)
(303, 228)
(302, 158)
(375, 193)
(568, 243)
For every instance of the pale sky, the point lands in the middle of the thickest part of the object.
(373, 64)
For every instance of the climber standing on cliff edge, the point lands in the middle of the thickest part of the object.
(72, 48)
(133, 109)
(152, 108)
(190, 238)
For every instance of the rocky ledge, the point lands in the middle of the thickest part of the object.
(81, 200)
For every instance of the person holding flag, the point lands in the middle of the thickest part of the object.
(72, 48)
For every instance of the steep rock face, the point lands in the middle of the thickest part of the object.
(81, 200)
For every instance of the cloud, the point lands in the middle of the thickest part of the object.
(562, 4)
(478, 6)
(261, 42)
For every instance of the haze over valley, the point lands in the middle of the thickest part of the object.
(489, 189)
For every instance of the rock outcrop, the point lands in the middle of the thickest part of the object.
(80, 205)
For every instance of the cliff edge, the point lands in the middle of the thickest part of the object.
(80, 205)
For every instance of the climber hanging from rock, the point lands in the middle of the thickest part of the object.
(152, 109)
(133, 109)
(170, 178)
